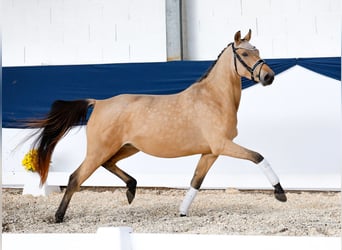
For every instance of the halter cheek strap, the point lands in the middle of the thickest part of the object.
(250, 70)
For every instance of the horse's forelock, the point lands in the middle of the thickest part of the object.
(246, 45)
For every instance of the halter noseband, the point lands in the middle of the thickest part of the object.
(250, 70)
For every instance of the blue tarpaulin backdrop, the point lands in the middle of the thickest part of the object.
(29, 91)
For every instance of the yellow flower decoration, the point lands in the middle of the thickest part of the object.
(30, 160)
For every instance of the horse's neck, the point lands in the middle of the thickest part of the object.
(223, 81)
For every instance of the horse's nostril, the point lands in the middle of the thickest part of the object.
(268, 78)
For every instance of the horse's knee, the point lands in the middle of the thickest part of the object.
(256, 157)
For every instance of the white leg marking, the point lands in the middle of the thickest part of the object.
(189, 197)
(268, 171)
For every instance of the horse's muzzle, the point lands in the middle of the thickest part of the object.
(267, 79)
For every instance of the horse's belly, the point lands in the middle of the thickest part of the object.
(170, 145)
(170, 151)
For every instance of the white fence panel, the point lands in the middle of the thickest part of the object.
(125, 239)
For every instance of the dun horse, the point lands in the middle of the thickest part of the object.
(202, 119)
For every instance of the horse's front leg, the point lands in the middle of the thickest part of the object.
(203, 166)
(234, 150)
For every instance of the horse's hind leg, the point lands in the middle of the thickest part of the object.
(76, 179)
(203, 166)
(92, 161)
(110, 165)
(237, 151)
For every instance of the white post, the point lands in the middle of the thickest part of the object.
(174, 30)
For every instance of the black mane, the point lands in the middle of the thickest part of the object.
(205, 75)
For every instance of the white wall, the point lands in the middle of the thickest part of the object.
(82, 31)
(281, 29)
(37, 32)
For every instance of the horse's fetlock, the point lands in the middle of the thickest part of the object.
(59, 217)
(131, 184)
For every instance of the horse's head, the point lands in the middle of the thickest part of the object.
(248, 62)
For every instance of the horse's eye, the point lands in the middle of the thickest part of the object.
(245, 54)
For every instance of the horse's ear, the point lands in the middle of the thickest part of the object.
(248, 36)
(237, 38)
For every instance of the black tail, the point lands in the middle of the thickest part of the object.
(62, 116)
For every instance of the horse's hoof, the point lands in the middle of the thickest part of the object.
(279, 193)
(130, 194)
(280, 197)
(182, 215)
